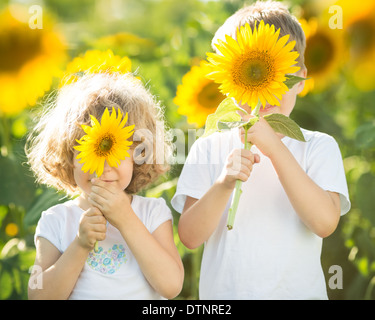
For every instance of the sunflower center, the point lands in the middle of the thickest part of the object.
(210, 96)
(18, 46)
(362, 36)
(319, 53)
(253, 70)
(104, 145)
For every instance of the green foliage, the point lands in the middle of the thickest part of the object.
(225, 113)
(285, 126)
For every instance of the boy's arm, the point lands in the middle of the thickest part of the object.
(200, 217)
(318, 209)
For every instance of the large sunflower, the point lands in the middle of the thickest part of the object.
(105, 141)
(95, 61)
(29, 59)
(198, 96)
(255, 66)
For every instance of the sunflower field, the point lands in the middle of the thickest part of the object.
(164, 42)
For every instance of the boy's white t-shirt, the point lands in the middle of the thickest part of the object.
(269, 253)
(113, 272)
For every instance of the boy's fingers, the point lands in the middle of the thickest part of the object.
(256, 158)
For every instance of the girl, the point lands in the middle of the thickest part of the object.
(137, 256)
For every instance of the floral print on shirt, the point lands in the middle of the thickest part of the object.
(107, 261)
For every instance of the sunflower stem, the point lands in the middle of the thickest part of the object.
(238, 191)
(255, 112)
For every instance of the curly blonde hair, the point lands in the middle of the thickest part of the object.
(50, 146)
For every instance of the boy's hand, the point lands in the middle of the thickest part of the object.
(92, 228)
(263, 136)
(110, 200)
(238, 166)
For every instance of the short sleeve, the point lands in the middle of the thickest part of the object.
(325, 167)
(160, 214)
(195, 178)
(49, 227)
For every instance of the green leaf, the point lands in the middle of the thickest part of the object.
(365, 187)
(226, 112)
(365, 135)
(47, 199)
(17, 182)
(285, 126)
(222, 125)
(292, 80)
(6, 284)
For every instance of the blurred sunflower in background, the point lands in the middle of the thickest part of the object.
(94, 61)
(197, 96)
(359, 25)
(324, 54)
(29, 59)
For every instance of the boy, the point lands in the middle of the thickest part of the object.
(293, 195)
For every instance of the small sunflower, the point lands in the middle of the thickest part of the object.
(255, 66)
(105, 141)
(198, 96)
(29, 60)
(95, 61)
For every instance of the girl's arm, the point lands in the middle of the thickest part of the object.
(155, 253)
(318, 209)
(61, 271)
(200, 217)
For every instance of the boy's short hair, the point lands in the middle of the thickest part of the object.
(271, 12)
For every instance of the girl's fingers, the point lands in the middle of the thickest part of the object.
(99, 227)
(91, 212)
(101, 186)
(98, 236)
(98, 220)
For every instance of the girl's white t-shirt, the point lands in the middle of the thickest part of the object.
(112, 272)
(270, 253)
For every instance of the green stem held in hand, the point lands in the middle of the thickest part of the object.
(238, 191)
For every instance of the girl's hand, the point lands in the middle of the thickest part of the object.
(92, 228)
(238, 166)
(263, 136)
(112, 201)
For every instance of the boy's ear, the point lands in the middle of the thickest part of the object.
(302, 73)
